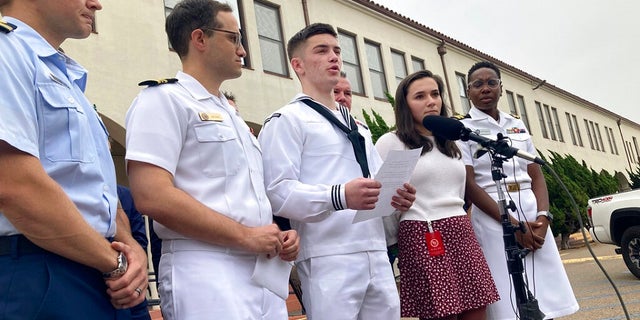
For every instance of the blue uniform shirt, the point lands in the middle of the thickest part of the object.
(45, 113)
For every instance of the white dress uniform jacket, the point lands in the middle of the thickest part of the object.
(307, 163)
(550, 286)
(207, 147)
(343, 267)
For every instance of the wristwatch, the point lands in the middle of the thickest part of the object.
(119, 270)
(546, 214)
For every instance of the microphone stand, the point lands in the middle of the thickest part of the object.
(527, 304)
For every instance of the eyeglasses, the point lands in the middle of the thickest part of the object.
(237, 37)
(491, 83)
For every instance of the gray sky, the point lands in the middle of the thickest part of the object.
(586, 47)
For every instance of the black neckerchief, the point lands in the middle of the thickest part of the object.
(357, 140)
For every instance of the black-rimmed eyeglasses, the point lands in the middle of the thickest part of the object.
(237, 37)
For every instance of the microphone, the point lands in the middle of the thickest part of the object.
(452, 129)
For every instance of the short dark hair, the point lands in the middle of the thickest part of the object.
(189, 15)
(229, 95)
(480, 65)
(406, 127)
(311, 30)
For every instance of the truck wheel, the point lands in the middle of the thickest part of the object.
(630, 246)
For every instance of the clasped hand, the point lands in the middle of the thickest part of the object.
(128, 290)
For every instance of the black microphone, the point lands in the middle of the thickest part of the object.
(452, 129)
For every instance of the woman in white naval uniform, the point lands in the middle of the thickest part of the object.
(526, 186)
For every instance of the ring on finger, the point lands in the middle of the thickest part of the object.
(139, 291)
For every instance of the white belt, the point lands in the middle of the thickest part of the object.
(509, 187)
(174, 245)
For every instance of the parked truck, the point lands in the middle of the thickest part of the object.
(615, 219)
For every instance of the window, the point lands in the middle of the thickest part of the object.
(547, 115)
(578, 135)
(593, 135)
(613, 139)
(554, 113)
(607, 130)
(269, 27)
(350, 61)
(586, 125)
(543, 125)
(399, 65)
(523, 112)
(629, 152)
(376, 70)
(635, 143)
(570, 125)
(512, 103)
(462, 90)
(599, 137)
(417, 64)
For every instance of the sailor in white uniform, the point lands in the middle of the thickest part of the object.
(525, 185)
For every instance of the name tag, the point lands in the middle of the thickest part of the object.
(484, 132)
(210, 116)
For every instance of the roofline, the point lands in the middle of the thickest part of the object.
(503, 65)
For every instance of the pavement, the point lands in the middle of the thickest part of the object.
(593, 291)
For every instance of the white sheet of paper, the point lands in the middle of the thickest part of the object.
(273, 274)
(394, 172)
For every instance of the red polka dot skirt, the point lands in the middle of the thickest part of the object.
(439, 286)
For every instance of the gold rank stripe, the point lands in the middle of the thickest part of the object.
(6, 27)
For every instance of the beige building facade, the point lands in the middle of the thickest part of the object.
(379, 48)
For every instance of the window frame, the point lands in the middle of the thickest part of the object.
(599, 135)
(547, 113)
(380, 73)
(281, 43)
(554, 113)
(570, 125)
(357, 83)
(415, 60)
(577, 127)
(543, 124)
(401, 55)
(613, 138)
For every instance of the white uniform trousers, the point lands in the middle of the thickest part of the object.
(545, 272)
(355, 286)
(200, 281)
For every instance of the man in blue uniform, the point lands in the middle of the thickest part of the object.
(58, 202)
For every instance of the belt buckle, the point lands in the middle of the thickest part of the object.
(513, 187)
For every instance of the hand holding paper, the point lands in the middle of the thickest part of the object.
(395, 171)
